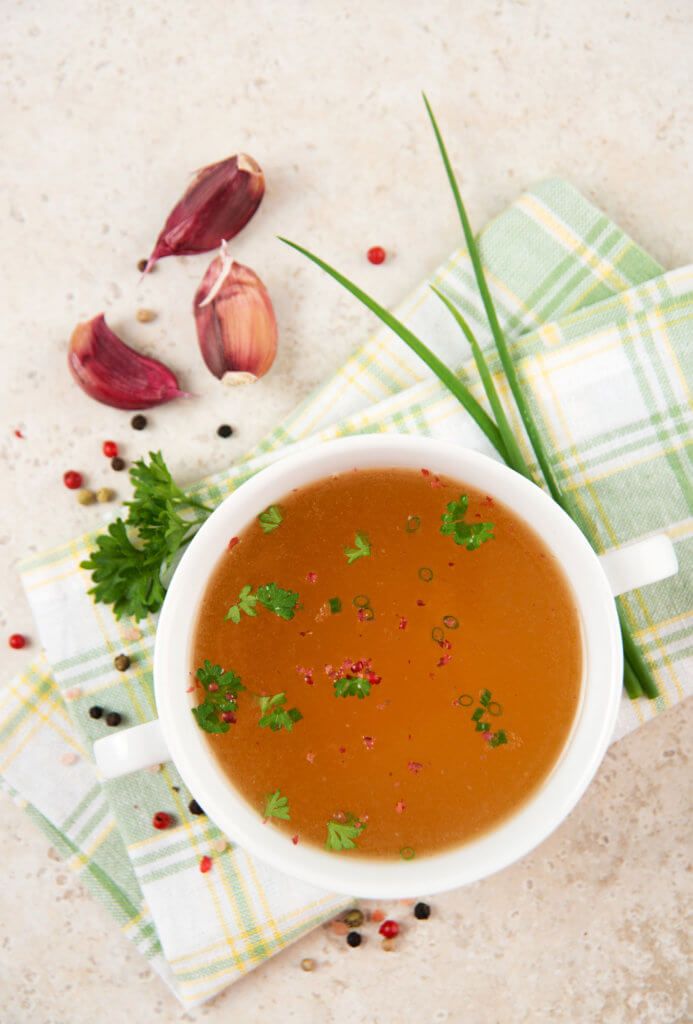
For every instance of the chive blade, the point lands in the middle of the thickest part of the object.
(515, 456)
(444, 374)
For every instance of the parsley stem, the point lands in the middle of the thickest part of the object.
(631, 681)
(444, 374)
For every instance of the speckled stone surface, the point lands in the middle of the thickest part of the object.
(105, 109)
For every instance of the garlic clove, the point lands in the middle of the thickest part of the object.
(111, 372)
(236, 325)
(219, 201)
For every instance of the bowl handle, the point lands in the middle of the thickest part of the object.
(131, 749)
(635, 565)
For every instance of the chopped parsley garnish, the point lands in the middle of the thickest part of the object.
(352, 686)
(335, 604)
(275, 716)
(342, 835)
(269, 595)
(277, 806)
(221, 690)
(281, 602)
(361, 548)
(271, 518)
(469, 535)
(129, 559)
(246, 603)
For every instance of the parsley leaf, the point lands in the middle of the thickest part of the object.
(277, 806)
(246, 603)
(275, 716)
(362, 548)
(470, 535)
(342, 835)
(271, 518)
(352, 686)
(130, 558)
(221, 690)
(281, 602)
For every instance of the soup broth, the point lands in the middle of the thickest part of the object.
(411, 663)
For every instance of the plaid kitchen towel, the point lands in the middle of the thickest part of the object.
(602, 339)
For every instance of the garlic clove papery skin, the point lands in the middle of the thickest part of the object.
(236, 325)
(217, 204)
(111, 372)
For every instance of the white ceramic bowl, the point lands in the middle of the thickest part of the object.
(177, 733)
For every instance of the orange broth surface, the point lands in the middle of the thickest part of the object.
(407, 760)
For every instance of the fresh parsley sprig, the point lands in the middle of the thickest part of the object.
(361, 548)
(221, 692)
(277, 806)
(130, 558)
(275, 715)
(342, 835)
(469, 535)
(277, 600)
(352, 686)
(271, 518)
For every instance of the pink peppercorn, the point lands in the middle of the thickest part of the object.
(17, 641)
(205, 864)
(389, 929)
(72, 479)
(376, 254)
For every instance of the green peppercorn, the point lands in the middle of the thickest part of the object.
(104, 494)
(122, 662)
(308, 964)
(354, 918)
(85, 496)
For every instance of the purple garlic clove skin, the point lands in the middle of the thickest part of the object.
(236, 326)
(219, 201)
(111, 372)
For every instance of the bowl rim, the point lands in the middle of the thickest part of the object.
(515, 835)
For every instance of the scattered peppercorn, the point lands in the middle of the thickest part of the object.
(17, 641)
(109, 448)
(162, 820)
(376, 254)
(85, 496)
(307, 964)
(117, 463)
(104, 494)
(142, 266)
(205, 865)
(138, 422)
(354, 918)
(422, 911)
(377, 915)
(95, 711)
(72, 479)
(113, 718)
(145, 316)
(121, 662)
(389, 929)
(388, 945)
(195, 808)
(354, 939)
(224, 430)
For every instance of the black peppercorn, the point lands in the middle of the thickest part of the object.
(122, 662)
(224, 430)
(113, 718)
(142, 265)
(138, 422)
(195, 808)
(95, 711)
(117, 463)
(422, 911)
(354, 939)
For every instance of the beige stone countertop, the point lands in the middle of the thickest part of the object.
(105, 109)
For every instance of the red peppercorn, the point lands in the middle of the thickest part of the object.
(376, 254)
(72, 479)
(110, 449)
(228, 716)
(205, 865)
(162, 820)
(389, 929)
(17, 641)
